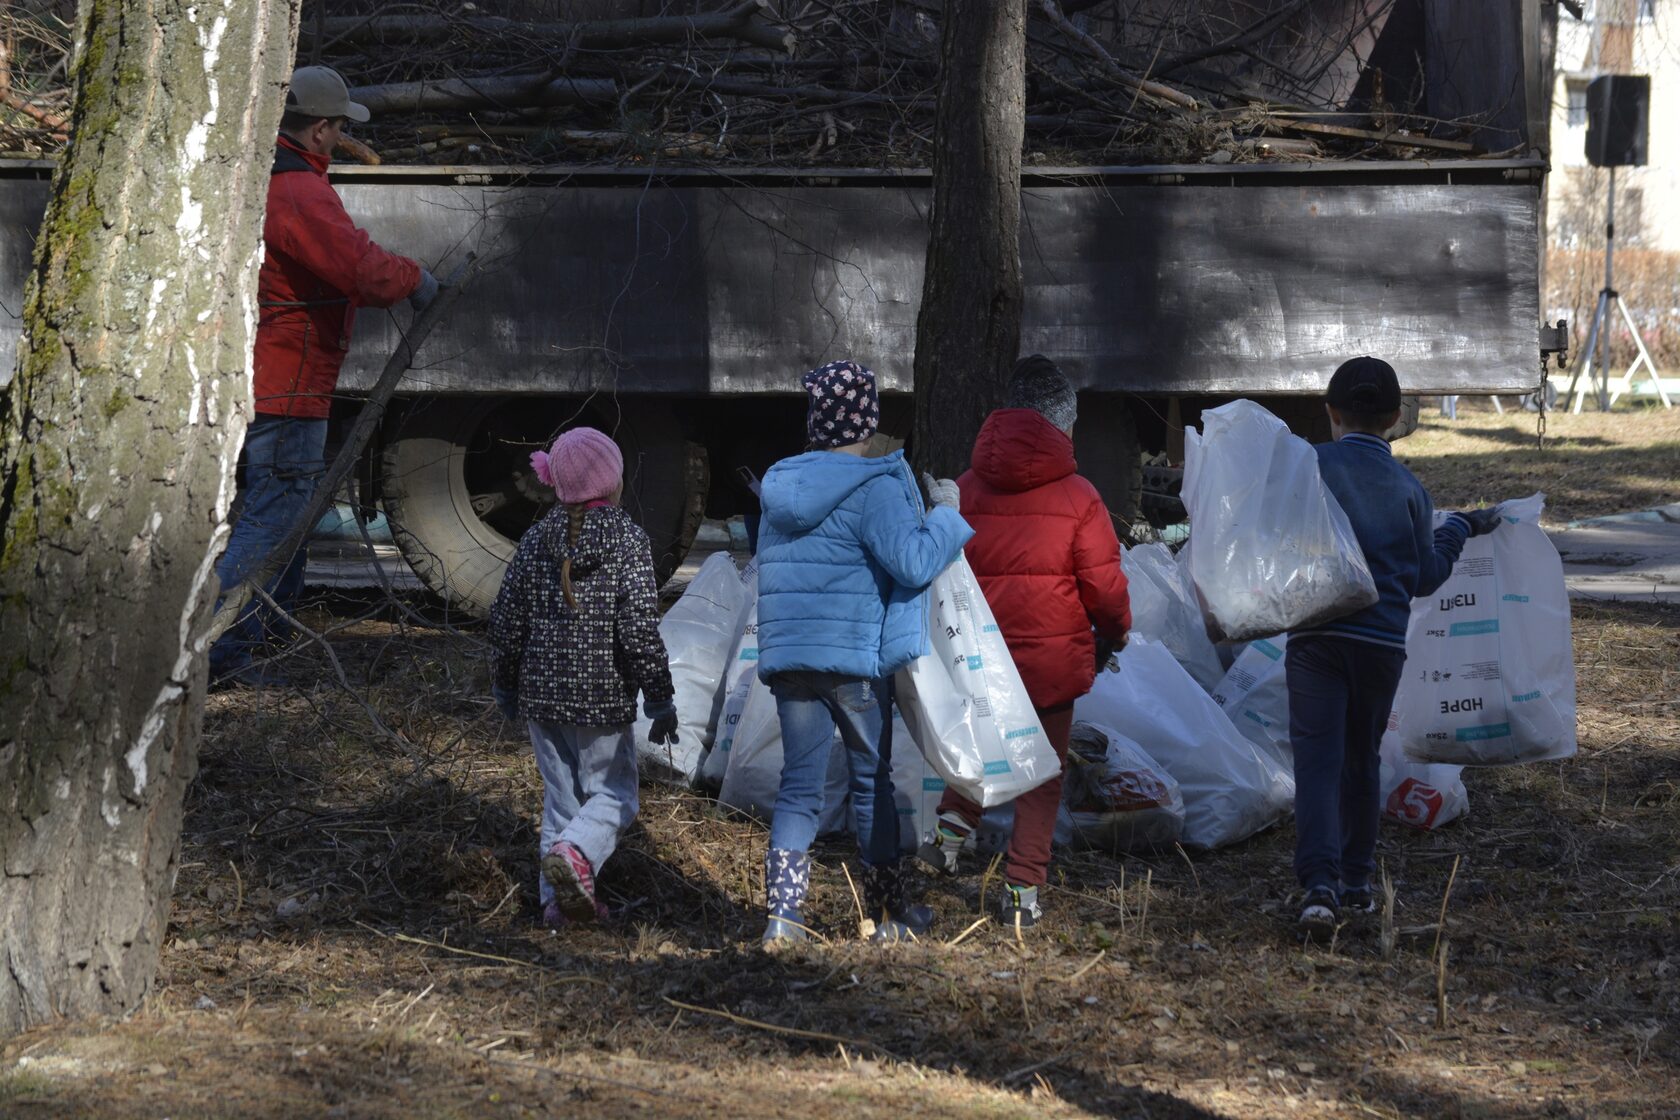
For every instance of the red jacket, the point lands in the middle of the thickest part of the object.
(318, 267)
(1045, 552)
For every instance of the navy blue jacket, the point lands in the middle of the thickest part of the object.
(844, 559)
(1394, 520)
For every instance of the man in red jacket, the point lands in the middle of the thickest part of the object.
(1047, 558)
(317, 268)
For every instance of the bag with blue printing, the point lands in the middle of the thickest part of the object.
(965, 704)
(1490, 672)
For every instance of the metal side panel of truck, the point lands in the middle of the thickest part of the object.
(677, 310)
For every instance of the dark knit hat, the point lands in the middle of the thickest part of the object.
(841, 405)
(1366, 385)
(1037, 384)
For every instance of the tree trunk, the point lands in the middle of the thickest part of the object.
(118, 438)
(970, 321)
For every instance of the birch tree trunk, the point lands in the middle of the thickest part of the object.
(970, 321)
(118, 439)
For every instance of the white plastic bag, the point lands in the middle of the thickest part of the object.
(739, 673)
(1490, 670)
(965, 703)
(1116, 796)
(1420, 794)
(1271, 550)
(1165, 610)
(917, 787)
(1231, 789)
(1255, 694)
(698, 630)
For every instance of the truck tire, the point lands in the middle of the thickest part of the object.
(1105, 441)
(459, 490)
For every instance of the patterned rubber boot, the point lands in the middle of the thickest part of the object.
(568, 872)
(787, 878)
(939, 850)
(886, 902)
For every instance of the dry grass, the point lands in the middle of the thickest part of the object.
(1593, 464)
(360, 914)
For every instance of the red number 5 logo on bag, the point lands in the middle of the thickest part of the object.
(1414, 803)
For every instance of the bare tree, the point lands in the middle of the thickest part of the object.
(970, 321)
(118, 438)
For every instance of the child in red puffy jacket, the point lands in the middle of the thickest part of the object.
(1046, 555)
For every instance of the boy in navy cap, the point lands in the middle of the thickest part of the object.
(1342, 674)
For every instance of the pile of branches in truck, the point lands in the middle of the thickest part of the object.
(806, 83)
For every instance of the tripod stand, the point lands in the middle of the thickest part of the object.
(1598, 379)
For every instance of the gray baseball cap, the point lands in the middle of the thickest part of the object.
(319, 91)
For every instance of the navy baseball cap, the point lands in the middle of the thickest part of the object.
(1367, 385)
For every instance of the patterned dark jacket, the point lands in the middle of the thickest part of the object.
(582, 666)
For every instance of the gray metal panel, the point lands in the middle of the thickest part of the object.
(1222, 284)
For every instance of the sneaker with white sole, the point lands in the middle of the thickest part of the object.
(1019, 909)
(944, 842)
(1320, 915)
(1359, 900)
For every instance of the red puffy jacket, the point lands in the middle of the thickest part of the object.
(318, 267)
(1045, 552)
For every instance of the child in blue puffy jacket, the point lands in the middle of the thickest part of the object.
(845, 555)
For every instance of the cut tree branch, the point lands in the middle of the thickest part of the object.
(1053, 11)
(518, 91)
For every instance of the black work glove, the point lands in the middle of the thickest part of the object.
(1482, 521)
(664, 730)
(1106, 649)
(507, 702)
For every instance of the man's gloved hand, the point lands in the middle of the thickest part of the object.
(664, 730)
(507, 702)
(424, 292)
(1482, 521)
(942, 491)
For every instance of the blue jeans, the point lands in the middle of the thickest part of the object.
(811, 706)
(1340, 694)
(589, 789)
(285, 458)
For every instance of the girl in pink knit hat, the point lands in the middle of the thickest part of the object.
(575, 634)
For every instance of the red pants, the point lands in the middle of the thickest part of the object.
(1035, 810)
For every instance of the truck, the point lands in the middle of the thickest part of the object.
(676, 306)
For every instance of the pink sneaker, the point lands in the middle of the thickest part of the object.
(573, 880)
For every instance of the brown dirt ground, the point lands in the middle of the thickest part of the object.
(354, 937)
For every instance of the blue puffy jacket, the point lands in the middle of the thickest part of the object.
(844, 559)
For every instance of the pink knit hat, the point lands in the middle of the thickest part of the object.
(584, 465)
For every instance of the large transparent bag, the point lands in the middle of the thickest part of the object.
(1231, 788)
(699, 631)
(1117, 798)
(739, 672)
(1255, 694)
(1420, 794)
(1271, 550)
(1490, 670)
(1165, 610)
(965, 704)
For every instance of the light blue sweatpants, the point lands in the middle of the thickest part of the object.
(589, 788)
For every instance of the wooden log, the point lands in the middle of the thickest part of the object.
(1386, 136)
(351, 148)
(750, 22)
(517, 91)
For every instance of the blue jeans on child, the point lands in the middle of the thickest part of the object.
(284, 459)
(589, 788)
(811, 706)
(1340, 694)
